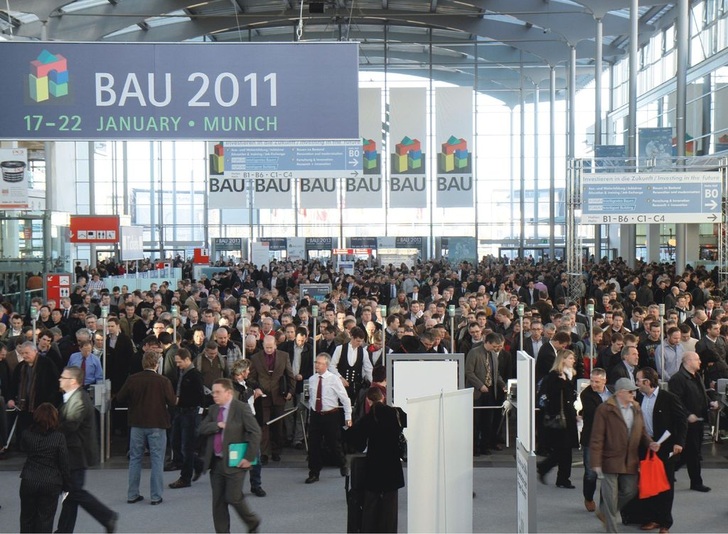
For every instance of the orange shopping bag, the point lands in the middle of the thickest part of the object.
(653, 479)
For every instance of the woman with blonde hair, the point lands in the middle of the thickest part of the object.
(556, 398)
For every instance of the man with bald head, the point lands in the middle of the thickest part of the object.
(688, 385)
(272, 377)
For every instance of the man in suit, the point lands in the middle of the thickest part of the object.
(190, 397)
(533, 343)
(591, 398)
(690, 389)
(547, 355)
(481, 373)
(35, 381)
(626, 368)
(78, 424)
(662, 411)
(229, 421)
(149, 396)
(272, 377)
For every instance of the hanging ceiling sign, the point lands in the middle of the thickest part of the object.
(218, 91)
(648, 198)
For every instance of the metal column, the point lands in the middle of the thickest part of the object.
(683, 36)
(598, 60)
(552, 161)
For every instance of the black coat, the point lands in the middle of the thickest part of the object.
(560, 393)
(668, 414)
(590, 401)
(47, 458)
(545, 360)
(378, 432)
(44, 387)
(78, 425)
(691, 392)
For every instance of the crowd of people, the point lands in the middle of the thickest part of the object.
(248, 334)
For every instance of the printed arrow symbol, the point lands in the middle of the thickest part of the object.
(712, 204)
(353, 162)
(713, 217)
(355, 173)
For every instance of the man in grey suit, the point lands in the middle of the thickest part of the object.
(78, 424)
(229, 421)
(481, 373)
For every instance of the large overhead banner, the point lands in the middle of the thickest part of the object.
(318, 193)
(365, 190)
(408, 140)
(454, 127)
(219, 91)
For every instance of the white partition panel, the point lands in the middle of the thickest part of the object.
(440, 463)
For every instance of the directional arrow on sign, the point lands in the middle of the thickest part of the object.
(355, 173)
(712, 204)
(713, 217)
(353, 162)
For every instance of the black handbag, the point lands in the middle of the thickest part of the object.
(558, 421)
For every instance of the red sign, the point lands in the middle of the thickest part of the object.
(58, 286)
(201, 256)
(95, 229)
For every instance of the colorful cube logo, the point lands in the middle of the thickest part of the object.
(408, 157)
(371, 157)
(217, 160)
(454, 157)
(48, 77)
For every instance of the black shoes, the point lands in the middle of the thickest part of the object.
(198, 473)
(172, 467)
(155, 503)
(113, 523)
(255, 527)
(702, 488)
(258, 492)
(276, 457)
(136, 499)
(565, 485)
(179, 483)
(312, 478)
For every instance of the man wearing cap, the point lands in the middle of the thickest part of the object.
(617, 434)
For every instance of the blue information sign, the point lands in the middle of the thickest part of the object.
(690, 197)
(54, 90)
(293, 159)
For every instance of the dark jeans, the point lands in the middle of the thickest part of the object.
(256, 479)
(38, 504)
(324, 426)
(590, 476)
(80, 497)
(184, 432)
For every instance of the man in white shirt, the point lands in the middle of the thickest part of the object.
(327, 392)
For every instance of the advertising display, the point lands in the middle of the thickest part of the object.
(454, 180)
(407, 178)
(14, 174)
(365, 190)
